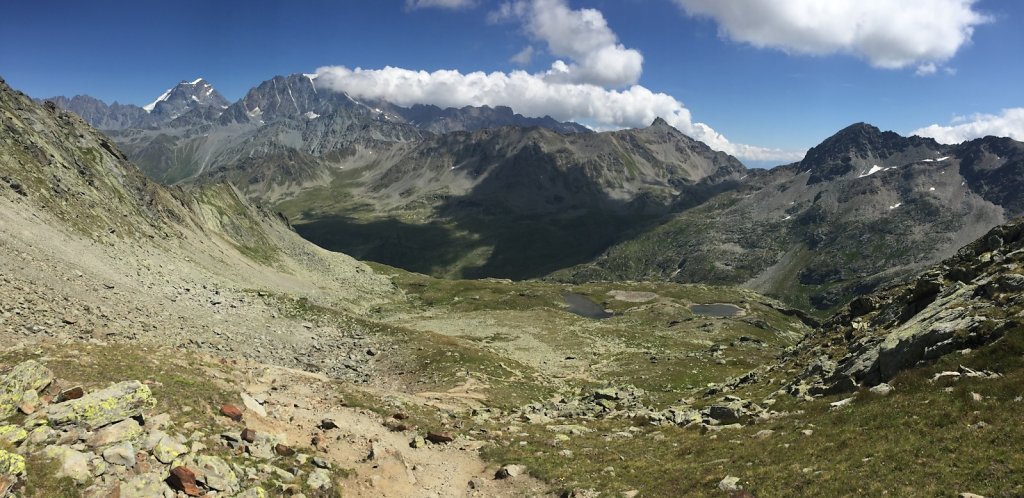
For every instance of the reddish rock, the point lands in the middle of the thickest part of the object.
(248, 435)
(440, 437)
(283, 450)
(70, 394)
(183, 479)
(232, 412)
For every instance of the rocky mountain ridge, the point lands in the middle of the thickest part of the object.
(862, 209)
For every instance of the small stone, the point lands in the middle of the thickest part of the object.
(417, 442)
(120, 454)
(145, 485)
(807, 432)
(440, 437)
(729, 483)
(841, 403)
(68, 395)
(882, 389)
(29, 402)
(253, 405)
(977, 398)
(319, 479)
(168, 449)
(184, 480)
(232, 412)
(969, 495)
(320, 462)
(511, 470)
(248, 435)
(328, 424)
(283, 450)
(764, 434)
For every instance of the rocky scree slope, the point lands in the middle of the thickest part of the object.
(862, 209)
(84, 231)
(967, 302)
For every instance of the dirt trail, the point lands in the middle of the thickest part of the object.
(298, 401)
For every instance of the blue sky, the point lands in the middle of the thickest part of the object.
(753, 84)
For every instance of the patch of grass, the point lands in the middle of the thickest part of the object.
(919, 441)
(41, 479)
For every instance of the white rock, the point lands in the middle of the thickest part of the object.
(253, 405)
(729, 483)
(882, 389)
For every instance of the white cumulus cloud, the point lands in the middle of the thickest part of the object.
(535, 95)
(887, 33)
(592, 81)
(443, 4)
(1008, 123)
(581, 35)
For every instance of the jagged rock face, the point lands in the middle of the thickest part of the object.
(184, 97)
(191, 129)
(875, 207)
(962, 303)
(106, 117)
(860, 147)
(438, 120)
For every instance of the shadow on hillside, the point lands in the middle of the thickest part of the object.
(526, 219)
(420, 248)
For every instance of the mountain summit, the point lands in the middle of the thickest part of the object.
(184, 97)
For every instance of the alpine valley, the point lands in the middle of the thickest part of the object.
(306, 294)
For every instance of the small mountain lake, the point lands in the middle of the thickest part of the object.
(582, 305)
(719, 310)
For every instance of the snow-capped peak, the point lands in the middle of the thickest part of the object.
(149, 107)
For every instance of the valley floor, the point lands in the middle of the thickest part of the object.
(589, 407)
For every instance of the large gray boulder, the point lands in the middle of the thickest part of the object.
(104, 407)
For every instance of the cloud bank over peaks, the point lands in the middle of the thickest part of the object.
(592, 81)
(1008, 123)
(535, 95)
(889, 34)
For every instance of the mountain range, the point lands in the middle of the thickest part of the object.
(484, 192)
(183, 338)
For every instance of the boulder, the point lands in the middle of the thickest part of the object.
(24, 377)
(882, 389)
(11, 464)
(216, 474)
(508, 471)
(729, 484)
(319, 479)
(232, 412)
(120, 454)
(168, 448)
(184, 480)
(12, 434)
(726, 413)
(253, 405)
(107, 406)
(125, 430)
(148, 485)
(73, 464)
(440, 437)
